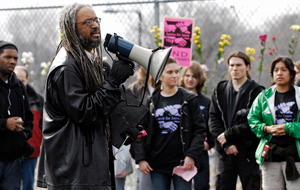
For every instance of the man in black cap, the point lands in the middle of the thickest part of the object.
(15, 120)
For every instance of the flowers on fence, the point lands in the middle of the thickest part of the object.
(27, 58)
(45, 66)
(294, 40)
(156, 31)
(222, 44)
(263, 39)
(250, 51)
(273, 51)
(198, 43)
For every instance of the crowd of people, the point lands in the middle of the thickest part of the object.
(253, 130)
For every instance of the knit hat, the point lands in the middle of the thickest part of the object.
(4, 43)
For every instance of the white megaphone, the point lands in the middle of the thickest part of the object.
(140, 55)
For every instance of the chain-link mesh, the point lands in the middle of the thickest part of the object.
(36, 29)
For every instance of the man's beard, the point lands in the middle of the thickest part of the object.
(89, 44)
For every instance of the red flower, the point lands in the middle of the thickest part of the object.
(274, 38)
(269, 47)
(142, 132)
(273, 49)
(263, 37)
(270, 53)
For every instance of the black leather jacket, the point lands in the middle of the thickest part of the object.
(192, 128)
(69, 112)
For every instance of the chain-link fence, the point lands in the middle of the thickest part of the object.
(36, 29)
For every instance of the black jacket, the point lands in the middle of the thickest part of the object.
(239, 133)
(71, 162)
(192, 128)
(13, 144)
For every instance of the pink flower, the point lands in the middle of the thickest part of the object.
(274, 38)
(269, 47)
(273, 49)
(263, 37)
(270, 53)
(142, 133)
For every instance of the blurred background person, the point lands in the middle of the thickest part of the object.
(36, 106)
(193, 79)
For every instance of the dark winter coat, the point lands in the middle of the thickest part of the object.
(192, 128)
(239, 133)
(71, 161)
(13, 144)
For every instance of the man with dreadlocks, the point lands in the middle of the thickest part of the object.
(78, 102)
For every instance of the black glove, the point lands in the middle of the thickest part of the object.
(120, 71)
(133, 133)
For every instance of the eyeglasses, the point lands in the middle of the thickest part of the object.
(91, 21)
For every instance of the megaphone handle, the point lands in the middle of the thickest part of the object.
(148, 71)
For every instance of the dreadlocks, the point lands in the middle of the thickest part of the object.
(91, 69)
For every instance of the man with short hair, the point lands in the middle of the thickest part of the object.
(79, 100)
(15, 120)
(235, 142)
(36, 106)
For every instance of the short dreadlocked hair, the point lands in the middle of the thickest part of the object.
(92, 70)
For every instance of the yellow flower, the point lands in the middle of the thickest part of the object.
(159, 43)
(196, 41)
(223, 36)
(158, 29)
(252, 58)
(228, 37)
(226, 42)
(221, 50)
(248, 49)
(248, 53)
(155, 36)
(152, 30)
(221, 44)
(155, 27)
(158, 34)
(197, 28)
(199, 45)
(252, 50)
(43, 72)
(159, 38)
(194, 34)
(197, 37)
(295, 27)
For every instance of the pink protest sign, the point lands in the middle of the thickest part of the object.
(178, 34)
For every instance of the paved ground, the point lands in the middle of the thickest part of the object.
(131, 180)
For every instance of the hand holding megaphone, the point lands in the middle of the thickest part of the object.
(154, 60)
(120, 71)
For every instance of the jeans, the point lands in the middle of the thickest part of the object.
(144, 181)
(201, 179)
(120, 183)
(28, 167)
(10, 175)
(162, 181)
